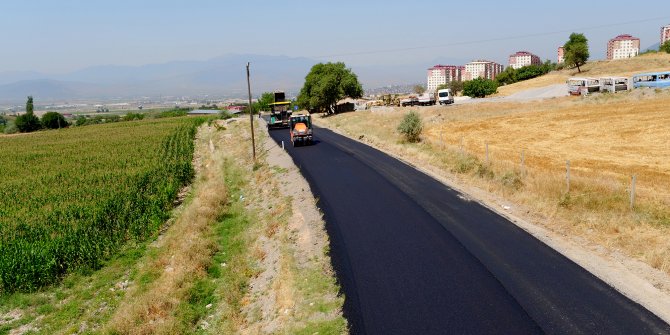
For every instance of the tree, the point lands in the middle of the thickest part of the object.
(419, 89)
(456, 86)
(509, 76)
(263, 103)
(411, 126)
(326, 84)
(28, 122)
(665, 47)
(54, 120)
(479, 87)
(576, 50)
(29, 105)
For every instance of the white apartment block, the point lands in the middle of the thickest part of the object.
(523, 58)
(665, 34)
(623, 46)
(442, 74)
(482, 69)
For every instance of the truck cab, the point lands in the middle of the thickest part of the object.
(300, 126)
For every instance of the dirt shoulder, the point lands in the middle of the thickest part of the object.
(637, 280)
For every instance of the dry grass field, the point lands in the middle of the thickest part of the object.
(606, 137)
(625, 68)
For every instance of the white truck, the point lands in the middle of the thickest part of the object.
(445, 97)
(426, 99)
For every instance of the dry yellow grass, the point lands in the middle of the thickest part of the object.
(606, 137)
(625, 68)
(184, 253)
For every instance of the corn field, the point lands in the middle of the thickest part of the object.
(71, 198)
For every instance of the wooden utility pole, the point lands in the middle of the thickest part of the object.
(251, 116)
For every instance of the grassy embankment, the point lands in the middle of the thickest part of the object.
(607, 139)
(194, 276)
(623, 68)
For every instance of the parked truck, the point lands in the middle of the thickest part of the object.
(427, 99)
(300, 126)
(280, 111)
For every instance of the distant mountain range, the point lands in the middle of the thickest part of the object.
(220, 77)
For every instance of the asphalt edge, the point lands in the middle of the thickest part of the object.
(617, 275)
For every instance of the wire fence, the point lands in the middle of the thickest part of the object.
(545, 169)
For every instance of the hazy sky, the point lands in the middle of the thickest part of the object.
(65, 35)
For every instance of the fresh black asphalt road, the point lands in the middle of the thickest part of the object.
(414, 257)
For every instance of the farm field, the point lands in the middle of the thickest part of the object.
(70, 198)
(625, 68)
(607, 138)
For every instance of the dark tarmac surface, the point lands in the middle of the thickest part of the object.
(412, 257)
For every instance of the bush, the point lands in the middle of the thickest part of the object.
(411, 126)
(28, 122)
(225, 115)
(665, 47)
(479, 87)
(54, 120)
(133, 116)
(10, 128)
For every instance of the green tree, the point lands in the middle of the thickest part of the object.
(442, 87)
(411, 127)
(54, 120)
(29, 105)
(509, 76)
(263, 103)
(28, 122)
(419, 89)
(479, 87)
(665, 47)
(326, 84)
(576, 50)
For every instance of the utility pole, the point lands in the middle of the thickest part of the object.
(251, 116)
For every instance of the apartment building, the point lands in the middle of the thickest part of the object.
(442, 74)
(523, 58)
(665, 34)
(623, 46)
(561, 56)
(482, 69)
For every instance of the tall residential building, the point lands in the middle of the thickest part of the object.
(561, 56)
(665, 34)
(442, 74)
(523, 58)
(482, 69)
(623, 46)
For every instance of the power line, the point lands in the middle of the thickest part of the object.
(435, 46)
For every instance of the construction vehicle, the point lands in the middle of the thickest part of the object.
(280, 111)
(300, 126)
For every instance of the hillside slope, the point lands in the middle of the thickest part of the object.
(623, 67)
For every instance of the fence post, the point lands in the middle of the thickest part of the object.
(567, 175)
(282, 145)
(632, 192)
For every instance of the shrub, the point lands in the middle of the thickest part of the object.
(411, 126)
(28, 122)
(133, 116)
(54, 120)
(10, 128)
(479, 87)
(665, 47)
